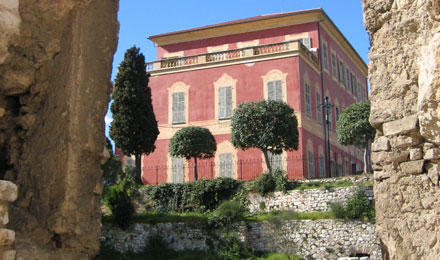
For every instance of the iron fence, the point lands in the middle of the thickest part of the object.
(244, 169)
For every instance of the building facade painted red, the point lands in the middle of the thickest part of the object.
(202, 74)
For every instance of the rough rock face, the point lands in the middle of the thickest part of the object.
(405, 93)
(55, 65)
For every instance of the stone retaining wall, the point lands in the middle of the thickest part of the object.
(320, 239)
(303, 200)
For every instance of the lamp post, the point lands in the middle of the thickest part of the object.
(326, 105)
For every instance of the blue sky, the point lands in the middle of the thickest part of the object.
(140, 19)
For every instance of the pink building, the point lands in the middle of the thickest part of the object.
(202, 74)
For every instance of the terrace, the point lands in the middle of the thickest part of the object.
(236, 56)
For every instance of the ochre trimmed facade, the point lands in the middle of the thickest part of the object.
(202, 74)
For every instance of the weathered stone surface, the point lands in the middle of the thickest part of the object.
(406, 141)
(55, 66)
(401, 126)
(9, 255)
(389, 157)
(381, 144)
(8, 191)
(415, 154)
(4, 215)
(9, 25)
(432, 154)
(412, 167)
(429, 82)
(405, 92)
(7, 237)
(433, 172)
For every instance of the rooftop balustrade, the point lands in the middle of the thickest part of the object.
(243, 53)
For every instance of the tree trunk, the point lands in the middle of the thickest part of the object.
(196, 177)
(138, 158)
(266, 158)
(366, 158)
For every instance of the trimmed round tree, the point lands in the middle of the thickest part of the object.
(353, 128)
(134, 128)
(193, 142)
(270, 126)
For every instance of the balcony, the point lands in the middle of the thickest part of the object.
(269, 51)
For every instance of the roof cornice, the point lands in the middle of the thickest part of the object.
(256, 23)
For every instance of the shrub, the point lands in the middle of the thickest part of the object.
(227, 213)
(358, 206)
(129, 174)
(119, 202)
(198, 196)
(281, 183)
(276, 180)
(157, 248)
(231, 248)
(265, 184)
(338, 209)
(111, 171)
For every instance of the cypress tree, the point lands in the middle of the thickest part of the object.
(134, 128)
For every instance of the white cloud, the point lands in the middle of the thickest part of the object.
(108, 119)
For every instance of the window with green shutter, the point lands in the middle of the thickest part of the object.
(308, 105)
(275, 90)
(334, 66)
(178, 108)
(324, 53)
(226, 167)
(311, 165)
(318, 108)
(225, 102)
(337, 114)
(321, 166)
(276, 161)
(177, 170)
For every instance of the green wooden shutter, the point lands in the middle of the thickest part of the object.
(228, 107)
(270, 90)
(318, 108)
(226, 169)
(221, 103)
(278, 90)
(175, 108)
(177, 170)
(308, 106)
(311, 165)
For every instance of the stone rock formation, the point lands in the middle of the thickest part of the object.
(55, 65)
(404, 73)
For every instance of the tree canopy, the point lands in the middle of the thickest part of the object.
(134, 127)
(353, 127)
(193, 142)
(270, 126)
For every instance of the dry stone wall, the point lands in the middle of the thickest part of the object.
(303, 200)
(320, 239)
(404, 74)
(55, 65)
